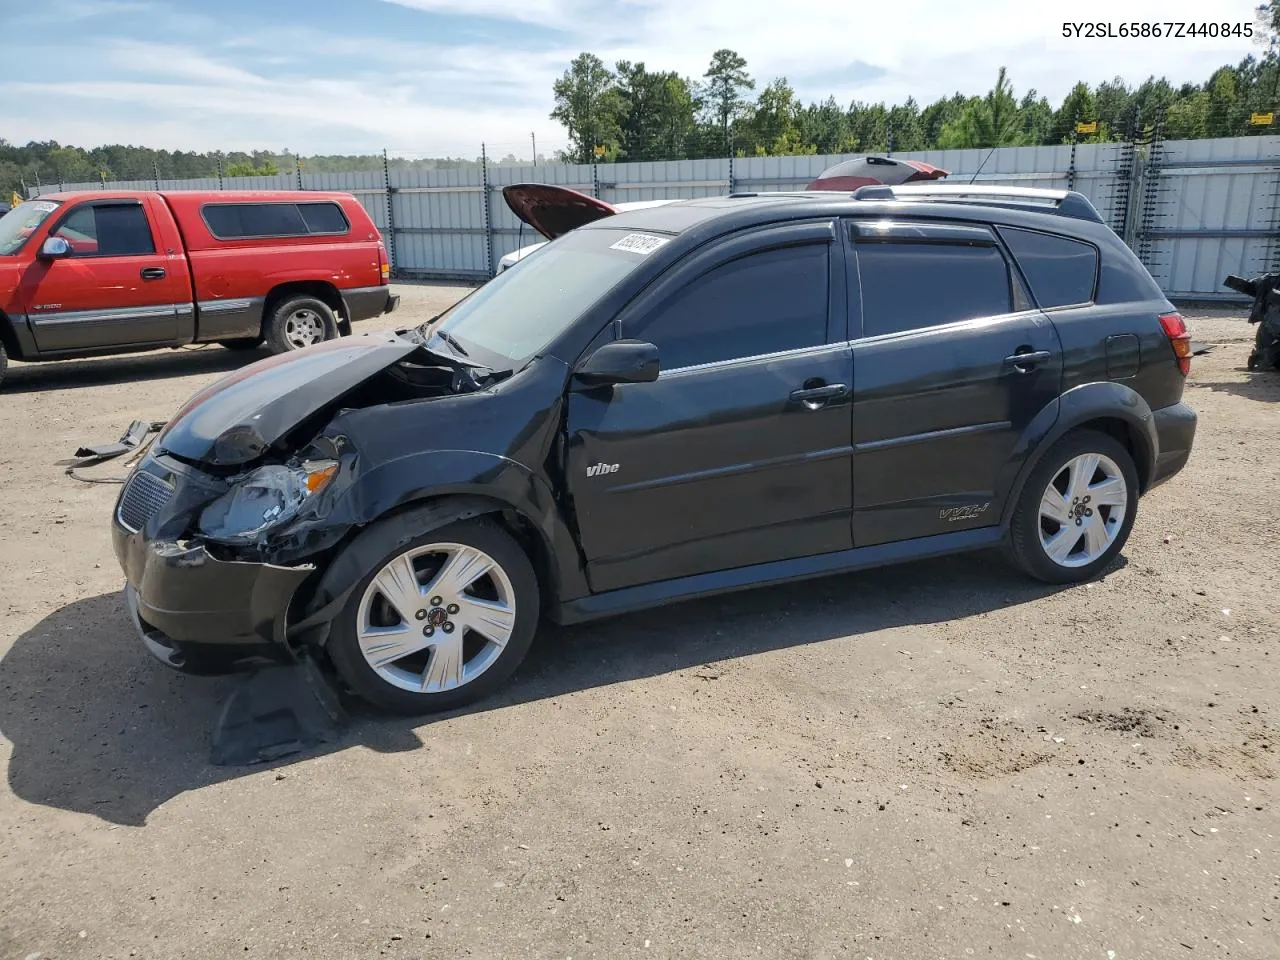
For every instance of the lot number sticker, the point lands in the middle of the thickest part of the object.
(641, 243)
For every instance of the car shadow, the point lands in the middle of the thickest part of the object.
(128, 368)
(1260, 385)
(97, 727)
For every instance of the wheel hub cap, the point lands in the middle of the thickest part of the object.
(436, 617)
(1082, 510)
(303, 328)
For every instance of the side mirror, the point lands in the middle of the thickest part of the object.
(55, 247)
(623, 361)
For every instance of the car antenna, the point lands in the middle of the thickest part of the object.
(981, 165)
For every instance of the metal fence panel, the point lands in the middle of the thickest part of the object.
(1195, 210)
(1211, 210)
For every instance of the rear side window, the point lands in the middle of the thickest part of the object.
(237, 221)
(762, 303)
(323, 217)
(907, 286)
(107, 230)
(1061, 272)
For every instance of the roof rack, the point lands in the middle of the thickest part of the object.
(1066, 203)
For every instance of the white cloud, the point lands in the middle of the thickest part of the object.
(322, 88)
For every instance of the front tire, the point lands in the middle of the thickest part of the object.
(439, 621)
(298, 323)
(1076, 509)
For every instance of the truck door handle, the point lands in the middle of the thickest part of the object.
(152, 273)
(816, 397)
(1026, 360)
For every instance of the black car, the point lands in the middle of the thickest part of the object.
(668, 403)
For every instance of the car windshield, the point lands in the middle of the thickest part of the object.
(20, 222)
(506, 322)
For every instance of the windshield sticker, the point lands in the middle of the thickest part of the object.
(641, 243)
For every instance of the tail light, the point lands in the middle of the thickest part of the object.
(1176, 330)
(383, 266)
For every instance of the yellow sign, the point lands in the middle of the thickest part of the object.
(15, 199)
(599, 151)
(1261, 119)
(1090, 127)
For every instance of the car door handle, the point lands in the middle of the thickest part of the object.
(1024, 361)
(152, 273)
(815, 397)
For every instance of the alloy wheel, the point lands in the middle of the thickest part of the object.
(436, 617)
(1082, 510)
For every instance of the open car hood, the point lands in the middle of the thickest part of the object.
(553, 210)
(849, 175)
(236, 419)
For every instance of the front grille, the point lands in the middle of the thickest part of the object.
(143, 496)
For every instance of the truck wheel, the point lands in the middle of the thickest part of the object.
(4, 363)
(440, 620)
(1076, 510)
(300, 322)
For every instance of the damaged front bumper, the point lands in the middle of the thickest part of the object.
(200, 614)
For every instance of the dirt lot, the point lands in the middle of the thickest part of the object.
(936, 761)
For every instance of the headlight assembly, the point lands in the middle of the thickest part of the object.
(264, 498)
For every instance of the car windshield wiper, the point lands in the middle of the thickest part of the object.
(453, 343)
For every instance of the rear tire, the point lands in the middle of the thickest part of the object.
(300, 322)
(1076, 509)
(422, 632)
(4, 363)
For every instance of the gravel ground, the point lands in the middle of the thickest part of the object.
(935, 761)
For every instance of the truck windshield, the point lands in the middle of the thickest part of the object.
(506, 322)
(22, 221)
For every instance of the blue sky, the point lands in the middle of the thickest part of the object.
(436, 77)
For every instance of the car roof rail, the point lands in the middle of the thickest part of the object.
(1066, 203)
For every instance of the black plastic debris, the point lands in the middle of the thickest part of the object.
(275, 712)
(1265, 312)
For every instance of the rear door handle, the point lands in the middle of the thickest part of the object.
(1028, 359)
(152, 273)
(815, 397)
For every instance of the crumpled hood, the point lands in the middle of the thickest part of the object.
(235, 419)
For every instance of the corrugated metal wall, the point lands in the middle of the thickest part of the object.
(1194, 210)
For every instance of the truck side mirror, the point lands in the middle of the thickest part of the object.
(55, 247)
(623, 361)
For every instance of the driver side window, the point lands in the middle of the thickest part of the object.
(765, 302)
(107, 230)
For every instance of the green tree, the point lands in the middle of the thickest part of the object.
(250, 169)
(1036, 118)
(1223, 115)
(591, 108)
(1187, 117)
(727, 81)
(907, 128)
(992, 121)
(825, 127)
(940, 113)
(657, 120)
(1078, 107)
(870, 125)
(770, 127)
(1114, 100)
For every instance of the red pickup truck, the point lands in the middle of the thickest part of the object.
(86, 274)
